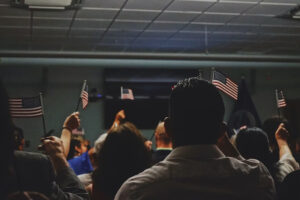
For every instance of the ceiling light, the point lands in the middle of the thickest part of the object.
(47, 4)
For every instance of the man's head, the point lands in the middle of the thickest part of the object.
(196, 113)
(162, 139)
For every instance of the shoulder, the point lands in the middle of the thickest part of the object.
(139, 184)
(31, 158)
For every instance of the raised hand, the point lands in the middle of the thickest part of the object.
(72, 121)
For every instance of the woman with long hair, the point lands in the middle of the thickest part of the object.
(123, 155)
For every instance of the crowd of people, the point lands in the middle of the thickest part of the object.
(194, 157)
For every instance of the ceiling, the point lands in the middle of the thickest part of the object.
(240, 27)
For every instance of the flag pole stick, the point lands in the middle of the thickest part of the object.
(79, 99)
(43, 117)
(276, 95)
(212, 74)
(121, 92)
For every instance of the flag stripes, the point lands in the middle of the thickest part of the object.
(281, 103)
(85, 97)
(127, 94)
(25, 107)
(225, 84)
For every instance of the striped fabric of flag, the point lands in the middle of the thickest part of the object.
(281, 100)
(127, 94)
(225, 84)
(25, 107)
(85, 97)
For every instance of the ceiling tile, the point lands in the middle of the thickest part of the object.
(255, 20)
(103, 3)
(120, 33)
(230, 7)
(17, 31)
(129, 25)
(46, 32)
(51, 23)
(146, 4)
(181, 17)
(191, 35)
(14, 22)
(269, 9)
(157, 34)
(86, 32)
(214, 18)
(238, 28)
(195, 6)
(8, 11)
(74, 46)
(90, 24)
(63, 14)
(117, 40)
(96, 14)
(165, 26)
(134, 15)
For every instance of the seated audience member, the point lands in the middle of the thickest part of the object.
(163, 143)
(270, 126)
(24, 171)
(85, 163)
(240, 119)
(287, 162)
(196, 168)
(254, 143)
(77, 147)
(27, 196)
(19, 141)
(122, 155)
(289, 188)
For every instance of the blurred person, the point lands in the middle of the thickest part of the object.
(289, 188)
(19, 141)
(122, 155)
(78, 146)
(197, 168)
(163, 143)
(24, 171)
(254, 143)
(286, 163)
(270, 126)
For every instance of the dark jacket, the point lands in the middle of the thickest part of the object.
(34, 172)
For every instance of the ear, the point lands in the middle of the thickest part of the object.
(78, 149)
(168, 126)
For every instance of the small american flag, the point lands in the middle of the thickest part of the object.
(280, 99)
(126, 93)
(225, 84)
(84, 95)
(25, 107)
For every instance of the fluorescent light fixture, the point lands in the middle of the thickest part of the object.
(46, 4)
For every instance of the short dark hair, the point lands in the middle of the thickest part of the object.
(254, 143)
(122, 155)
(196, 112)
